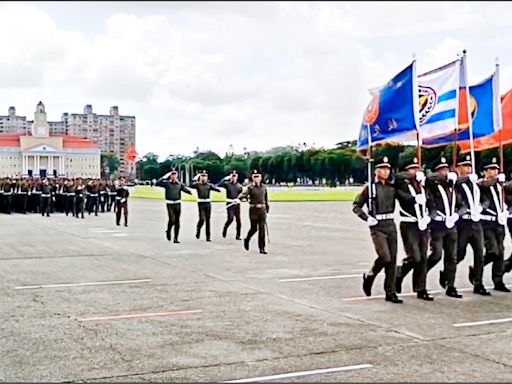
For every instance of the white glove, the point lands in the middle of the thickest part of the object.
(123, 200)
(451, 220)
(479, 209)
(502, 217)
(501, 178)
(423, 223)
(125, 187)
(237, 201)
(372, 221)
(475, 216)
(420, 177)
(452, 176)
(154, 181)
(420, 199)
(473, 177)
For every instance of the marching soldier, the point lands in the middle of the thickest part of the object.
(7, 189)
(122, 194)
(380, 200)
(69, 194)
(445, 207)
(93, 195)
(494, 219)
(79, 191)
(257, 195)
(103, 195)
(233, 190)
(37, 191)
(508, 202)
(173, 189)
(23, 194)
(413, 226)
(46, 196)
(204, 202)
(469, 227)
(111, 196)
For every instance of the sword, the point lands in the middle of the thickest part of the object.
(268, 234)
(229, 205)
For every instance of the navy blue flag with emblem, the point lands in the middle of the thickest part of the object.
(391, 113)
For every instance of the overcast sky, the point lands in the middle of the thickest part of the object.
(253, 75)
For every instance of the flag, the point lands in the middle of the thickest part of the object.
(493, 141)
(391, 112)
(131, 156)
(484, 112)
(438, 100)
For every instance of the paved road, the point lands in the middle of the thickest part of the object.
(85, 300)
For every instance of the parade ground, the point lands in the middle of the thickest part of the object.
(86, 300)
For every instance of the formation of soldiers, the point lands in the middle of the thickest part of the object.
(255, 194)
(73, 196)
(447, 211)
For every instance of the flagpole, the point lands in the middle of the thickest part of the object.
(369, 153)
(415, 96)
(468, 107)
(498, 115)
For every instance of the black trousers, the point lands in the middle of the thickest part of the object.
(37, 203)
(258, 218)
(79, 206)
(416, 248)
(494, 238)
(205, 212)
(111, 202)
(45, 206)
(469, 232)
(174, 213)
(234, 213)
(119, 208)
(8, 204)
(22, 203)
(444, 239)
(70, 203)
(508, 262)
(385, 241)
(93, 204)
(103, 201)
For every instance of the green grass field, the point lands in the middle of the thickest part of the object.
(147, 192)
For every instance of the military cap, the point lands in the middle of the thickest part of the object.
(409, 163)
(173, 171)
(255, 172)
(439, 163)
(382, 162)
(233, 173)
(490, 163)
(464, 160)
(203, 173)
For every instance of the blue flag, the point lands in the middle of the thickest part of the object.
(391, 113)
(484, 107)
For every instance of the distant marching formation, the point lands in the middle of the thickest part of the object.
(447, 209)
(64, 195)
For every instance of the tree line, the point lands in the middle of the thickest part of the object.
(297, 164)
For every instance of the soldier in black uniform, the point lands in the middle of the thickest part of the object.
(103, 195)
(233, 190)
(258, 210)
(92, 200)
(37, 191)
(494, 219)
(173, 189)
(469, 227)
(508, 201)
(79, 191)
(204, 203)
(23, 194)
(413, 226)
(7, 189)
(46, 196)
(122, 194)
(445, 207)
(380, 200)
(69, 194)
(111, 189)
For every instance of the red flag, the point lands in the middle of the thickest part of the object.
(131, 156)
(493, 141)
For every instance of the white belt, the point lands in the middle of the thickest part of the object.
(7, 193)
(204, 200)
(22, 193)
(173, 201)
(488, 218)
(37, 192)
(439, 218)
(45, 195)
(466, 217)
(385, 216)
(112, 193)
(408, 219)
(70, 194)
(95, 195)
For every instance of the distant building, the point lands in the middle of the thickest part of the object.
(40, 153)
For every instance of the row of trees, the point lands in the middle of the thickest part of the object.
(302, 164)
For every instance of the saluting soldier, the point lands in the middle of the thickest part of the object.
(173, 189)
(122, 194)
(445, 208)
(257, 195)
(469, 227)
(414, 222)
(379, 198)
(203, 188)
(494, 219)
(233, 190)
(79, 191)
(93, 195)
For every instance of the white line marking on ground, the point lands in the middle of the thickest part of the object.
(119, 234)
(320, 278)
(106, 231)
(360, 298)
(483, 322)
(84, 284)
(304, 373)
(141, 315)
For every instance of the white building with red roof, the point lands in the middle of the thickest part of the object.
(41, 154)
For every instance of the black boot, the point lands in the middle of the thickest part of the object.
(367, 284)
(198, 233)
(262, 251)
(175, 241)
(224, 232)
(423, 295)
(452, 292)
(471, 275)
(479, 289)
(238, 238)
(508, 265)
(394, 298)
(246, 244)
(168, 235)
(399, 280)
(501, 287)
(208, 239)
(442, 279)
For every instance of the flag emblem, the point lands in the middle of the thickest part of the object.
(428, 100)
(372, 111)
